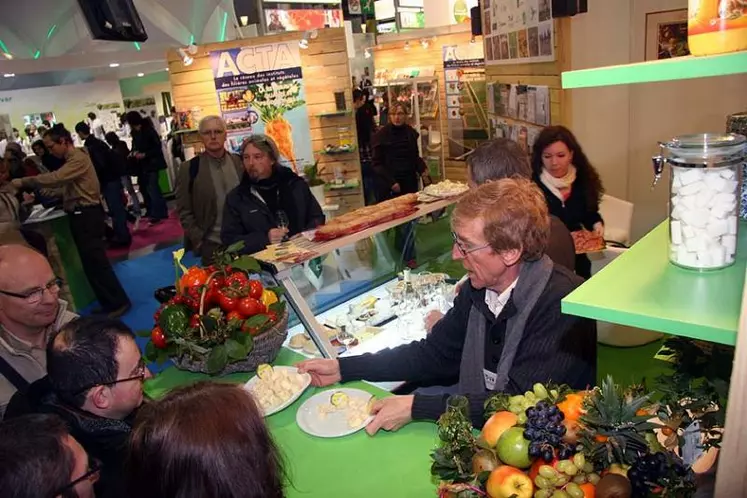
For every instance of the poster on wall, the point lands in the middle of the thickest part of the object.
(38, 119)
(279, 20)
(518, 31)
(466, 96)
(109, 115)
(518, 112)
(261, 90)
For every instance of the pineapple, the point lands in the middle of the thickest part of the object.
(614, 431)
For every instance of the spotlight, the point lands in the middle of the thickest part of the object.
(407, 45)
(303, 43)
(424, 42)
(244, 20)
(8, 56)
(187, 60)
(192, 49)
(313, 34)
(367, 54)
(9, 75)
(140, 75)
(472, 40)
(114, 64)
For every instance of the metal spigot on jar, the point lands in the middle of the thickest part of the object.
(704, 196)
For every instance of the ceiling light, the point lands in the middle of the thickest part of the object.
(167, 70)
(8, 56)
(407, 45)
(313, 34)
(140, 75)
(367, 54)
(9, 75)
(303, 43)
(244, 20)
(424, 42)
(114, 64)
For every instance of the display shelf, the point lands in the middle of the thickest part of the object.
(678, 68)
(332, 114)
(641, 288)
(336, 152)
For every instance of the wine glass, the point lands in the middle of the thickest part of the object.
(344, 335)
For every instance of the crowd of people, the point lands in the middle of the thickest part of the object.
(75, 422)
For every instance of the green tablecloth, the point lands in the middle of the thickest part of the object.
(393, 465)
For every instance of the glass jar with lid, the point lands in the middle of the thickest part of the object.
(704, 196)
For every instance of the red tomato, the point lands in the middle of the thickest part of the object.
(227, 303)
(217, 283)
(212, 297)
(234, 315)
(250, 307)
(273, 316)
(237, 279)
(255, 289)
(158, 338)
(195, 277)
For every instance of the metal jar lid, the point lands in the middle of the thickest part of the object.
(703, 150)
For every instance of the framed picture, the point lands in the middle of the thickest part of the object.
(666, 34)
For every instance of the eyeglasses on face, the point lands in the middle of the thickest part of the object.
(91, 475)
(35, 295)
(139, 375)
(464, 251)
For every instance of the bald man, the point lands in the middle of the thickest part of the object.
(30, 310)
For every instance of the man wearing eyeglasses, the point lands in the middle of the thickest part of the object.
(201, 189)
(30, 311)
(40, 458)
(505, 331)
(95, 384)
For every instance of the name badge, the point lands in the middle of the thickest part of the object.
(490, 378)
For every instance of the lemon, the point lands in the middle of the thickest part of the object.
(339, 399)
(264, 370)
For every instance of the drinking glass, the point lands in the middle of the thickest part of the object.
(282, 219)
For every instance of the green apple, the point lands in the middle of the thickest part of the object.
(513, 448)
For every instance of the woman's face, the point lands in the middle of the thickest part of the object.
(398, 117)
(257, 164)
(556, 159)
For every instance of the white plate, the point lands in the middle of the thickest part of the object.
(283, 406)
(334, 424)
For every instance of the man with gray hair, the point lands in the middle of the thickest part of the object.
(201, 189)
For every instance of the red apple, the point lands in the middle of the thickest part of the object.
(507, 481)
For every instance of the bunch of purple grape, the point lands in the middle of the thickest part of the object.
(545, 430)
(660, 469)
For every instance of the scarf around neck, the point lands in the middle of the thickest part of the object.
(560, 187)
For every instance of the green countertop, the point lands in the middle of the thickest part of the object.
(642, 289)
(393, 464)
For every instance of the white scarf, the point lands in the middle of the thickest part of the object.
(559, 186)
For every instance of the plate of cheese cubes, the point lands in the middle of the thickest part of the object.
(335, 413)
(276, 388)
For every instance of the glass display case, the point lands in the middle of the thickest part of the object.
(349, 284)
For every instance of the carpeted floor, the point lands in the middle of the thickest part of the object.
(147, 238)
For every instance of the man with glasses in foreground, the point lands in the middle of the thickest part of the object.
(39, 458)
(505, 331)
(95, 384)
(201, 189)
(30, 311)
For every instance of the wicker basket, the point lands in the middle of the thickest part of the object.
(266, 346)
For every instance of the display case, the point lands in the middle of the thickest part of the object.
(352, 276)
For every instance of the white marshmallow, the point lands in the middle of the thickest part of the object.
(717, 227)
(704, 197)
(704, 259)
(675, 200)
(717, 256)
(721, 211)
(730, 186)
(724, 198)
(692, 175)
(675, 231)
(728, 173)
(690, 202)
(677, 212)
(691, 188)
(716, 182)
(688, 232)
(695, 218)
(731, 224)
(730, 244)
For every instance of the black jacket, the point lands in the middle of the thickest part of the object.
(103, 438)
(247, 217)
(109, 167)
(147, 141)
(555, 347)
(396, 159)
(576, 212)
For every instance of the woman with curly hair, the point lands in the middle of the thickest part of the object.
(571, 185)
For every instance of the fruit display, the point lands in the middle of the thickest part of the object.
(552, 442)
(216, 315)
